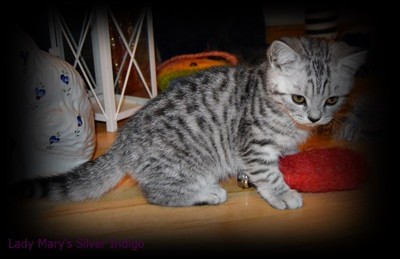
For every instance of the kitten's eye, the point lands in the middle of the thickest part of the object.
(332, 100)
(298, 99)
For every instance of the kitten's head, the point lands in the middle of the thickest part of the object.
(310, 78)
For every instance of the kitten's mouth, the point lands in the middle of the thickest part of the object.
(306, 126)
(309, 126)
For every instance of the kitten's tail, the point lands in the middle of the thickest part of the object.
(88, 181)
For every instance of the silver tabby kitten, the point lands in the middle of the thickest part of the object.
(219, 123)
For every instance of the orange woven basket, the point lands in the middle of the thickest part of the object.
(188, 64)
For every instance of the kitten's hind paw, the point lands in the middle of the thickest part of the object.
(290, 199)
(212, 196)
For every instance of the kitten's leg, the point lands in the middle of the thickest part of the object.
(280, 196)
(268, 180)
(210, 195)
(195, 193)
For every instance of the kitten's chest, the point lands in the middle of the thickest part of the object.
(292, 140)
(284, 138)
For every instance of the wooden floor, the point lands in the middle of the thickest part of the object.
(245, 222)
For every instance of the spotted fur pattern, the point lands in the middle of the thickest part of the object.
(218, 123)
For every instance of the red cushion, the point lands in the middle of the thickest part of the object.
(324, 170)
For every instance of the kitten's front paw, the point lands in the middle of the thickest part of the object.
(290, 199)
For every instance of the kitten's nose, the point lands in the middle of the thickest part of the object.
(313, 120)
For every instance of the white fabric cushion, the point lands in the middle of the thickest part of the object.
(55, 121)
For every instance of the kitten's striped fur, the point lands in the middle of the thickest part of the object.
(218, 123)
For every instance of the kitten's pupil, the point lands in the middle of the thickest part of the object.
(332, 100)
(298, 99)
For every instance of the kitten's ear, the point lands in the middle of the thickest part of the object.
(281, 56)
(352, 62)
